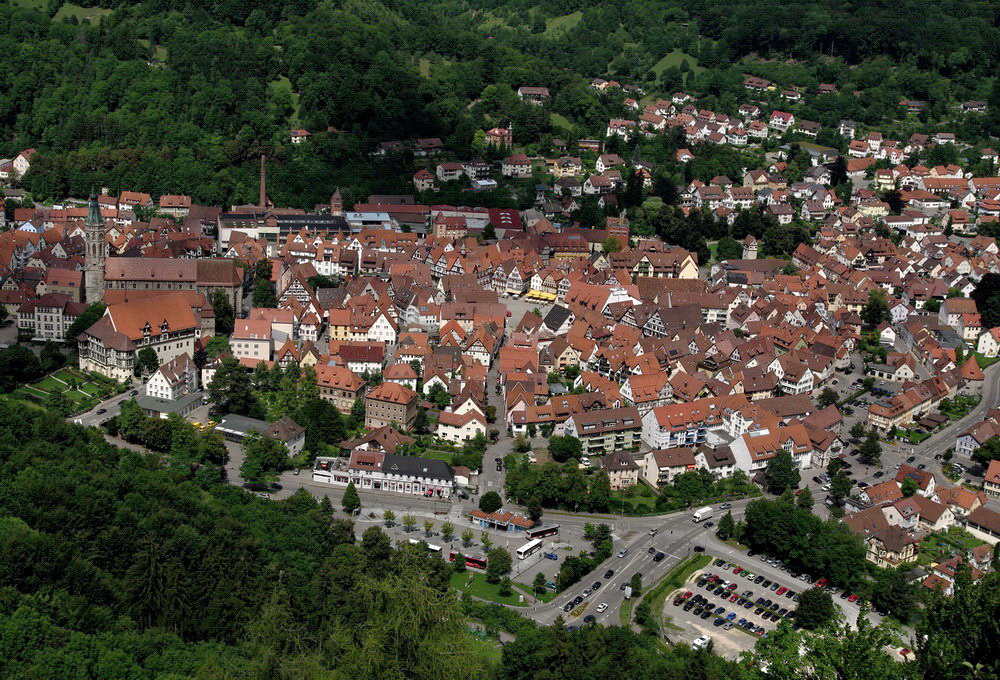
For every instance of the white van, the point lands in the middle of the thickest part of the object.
(701, 642)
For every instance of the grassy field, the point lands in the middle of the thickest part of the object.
(985, 361)
(560, 122)
(88, 385)
(566, 22)
(446, 456)
(49, 384)
(36, 392)
(478, 587)
(22, 402)
(159, 54)
(674, 59)
(283, 83)
(527, 587)
(91, 14)
(487, 649)
(490, 21)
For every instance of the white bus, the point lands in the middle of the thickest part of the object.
(529, 548)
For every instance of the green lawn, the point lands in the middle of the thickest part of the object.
(546, 596)
(66, 375)
(488, 650)
(283, 83)
(490, 21)
(478, 587)
(91, 14)
(36, 392)
(675, 58)
(566, 22)
(561, 122)
(446, 456)
(91, 389)
(634, 505)
(985, 361)
(23, 402)
(76, 396)
(49, 384)
(159, 54)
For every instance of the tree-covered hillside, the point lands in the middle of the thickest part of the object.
(179, 97)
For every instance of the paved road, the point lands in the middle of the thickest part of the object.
(676, 536)
(111, 407)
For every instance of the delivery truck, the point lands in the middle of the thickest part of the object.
(701, 514)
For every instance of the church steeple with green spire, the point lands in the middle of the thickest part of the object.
(94, 236)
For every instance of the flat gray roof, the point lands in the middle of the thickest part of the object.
(168, 405)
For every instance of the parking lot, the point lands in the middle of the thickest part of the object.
(736, 605)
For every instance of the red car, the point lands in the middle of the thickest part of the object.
(687, 594)
(852, 598)
(821, 583)
(738, 570)
(782, 590)
(733, 598)
(731, 586)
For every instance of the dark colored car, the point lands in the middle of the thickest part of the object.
(608, 574)
(700, 548)
(658, 557)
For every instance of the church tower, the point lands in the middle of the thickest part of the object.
(94, 267)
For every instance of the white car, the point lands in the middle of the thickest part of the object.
(623, 552)
(601, 607)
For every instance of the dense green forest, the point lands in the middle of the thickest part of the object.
(178, 97)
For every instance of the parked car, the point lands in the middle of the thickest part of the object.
(550, 556)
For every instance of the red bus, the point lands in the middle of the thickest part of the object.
(471, 561)
(543, 530)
